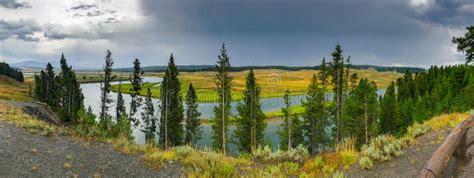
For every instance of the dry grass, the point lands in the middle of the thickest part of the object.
(273, 82)
(11, 89)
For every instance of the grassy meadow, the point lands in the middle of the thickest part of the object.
(10, 89)
(273, 82)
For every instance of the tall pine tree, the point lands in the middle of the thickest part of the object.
(149, 119)
(171, 126)
(337, 68)
(389, 113)
(136, 81)
(361, 112)
(222, 110)
(105, 120)
(192, 121)
(284, 130)
(250, 129)
(313, 115)
(71, 100)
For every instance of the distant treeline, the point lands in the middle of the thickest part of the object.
(197, 68)
(5, 69)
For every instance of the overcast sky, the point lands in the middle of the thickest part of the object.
(256, 32)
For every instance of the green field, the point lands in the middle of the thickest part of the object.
(95, 77)
(273, 82)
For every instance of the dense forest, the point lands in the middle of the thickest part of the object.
(6, 70)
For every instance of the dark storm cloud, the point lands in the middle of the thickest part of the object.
(449, 12)
(83, 7)
(13, 4)
(20, 29)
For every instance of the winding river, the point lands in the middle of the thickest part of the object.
(92, 98)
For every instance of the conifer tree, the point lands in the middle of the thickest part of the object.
(361, 112)
(389, 114)
(337, 68)
(323, 121)
(466, 43)
(192, 121)
(313, 115)
(49, 90)
(149, 119)
(222, 110)
(250, 126)
(284, 130)
(122, 125)
(105, 120)
(71, 100)
(171, 127)
(136, 81)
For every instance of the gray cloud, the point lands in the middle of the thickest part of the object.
(448, 12)
(13, 4)
(95, 13)
(83, 7)
(21, 29)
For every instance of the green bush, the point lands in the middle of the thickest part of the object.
(298, 154)
(366, 163)
(382, 148)
(319, 162)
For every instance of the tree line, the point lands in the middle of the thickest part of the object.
(13, 73)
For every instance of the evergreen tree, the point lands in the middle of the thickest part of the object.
(251, 117)
(284, 130)
(122, 126)
(136, 81)
(313, 115)
(297, 134)
(50, 87)
(149, 119)
(466, 43)
(361, 112)
(193, 129)
(171, 127)
(337, 68)
(71, 100)
(389, 113)
(222, 110)
(105, 120)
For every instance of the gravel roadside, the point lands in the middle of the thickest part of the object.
(24, 154)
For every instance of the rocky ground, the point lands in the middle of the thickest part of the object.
(407, 165)
(27, 155)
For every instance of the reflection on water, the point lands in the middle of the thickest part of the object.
(92, 98)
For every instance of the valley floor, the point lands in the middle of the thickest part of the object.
(28, 155)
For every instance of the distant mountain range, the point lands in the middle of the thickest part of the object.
(37, 66)
(195, 68)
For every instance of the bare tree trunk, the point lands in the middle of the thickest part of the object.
(289, 127)
(223, 119)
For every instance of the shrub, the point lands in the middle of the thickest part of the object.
(298, 154)
(319, 162)
(382, 148)
(338, 174)
(366, 163)
(183, 151)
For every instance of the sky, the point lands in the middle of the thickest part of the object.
(255, 32)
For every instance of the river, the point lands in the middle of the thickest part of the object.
(91, 93)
